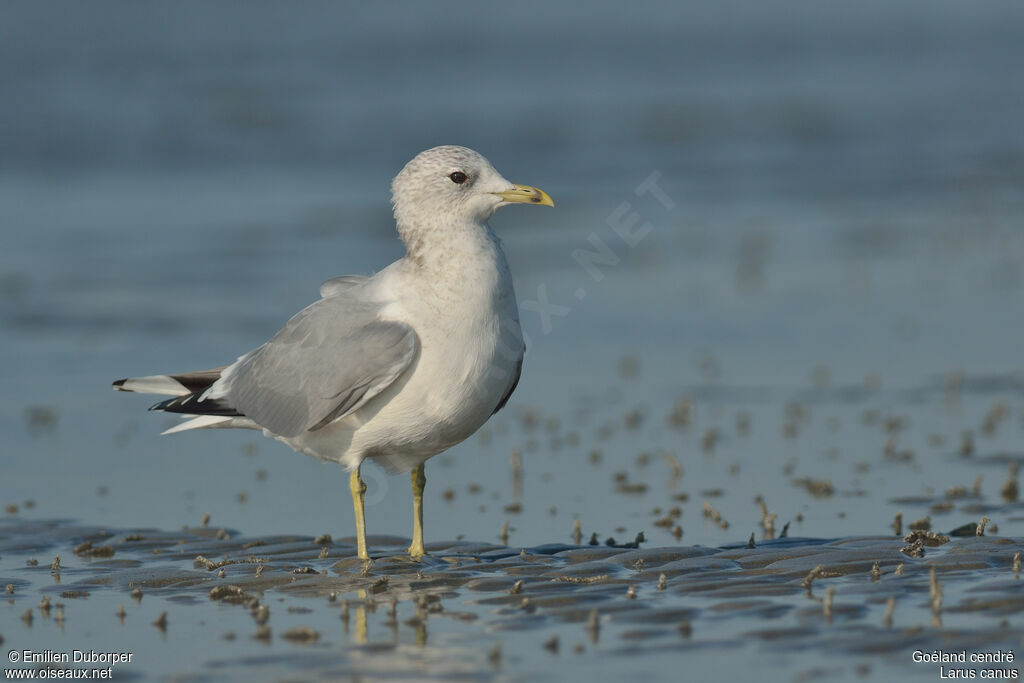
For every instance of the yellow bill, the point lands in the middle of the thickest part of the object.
(524, 194)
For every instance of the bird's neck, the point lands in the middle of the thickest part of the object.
(461, 265)
(448, 246)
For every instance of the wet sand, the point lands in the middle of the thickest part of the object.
(299, 607)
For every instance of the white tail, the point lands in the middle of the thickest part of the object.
(208, 422)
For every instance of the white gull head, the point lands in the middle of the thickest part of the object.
(454, 185)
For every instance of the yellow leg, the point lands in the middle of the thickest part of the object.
(358, 487)
(419, 480)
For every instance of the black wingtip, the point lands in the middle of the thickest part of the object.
(166, 403)
(119, 383)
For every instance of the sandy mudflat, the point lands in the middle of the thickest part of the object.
(295, 606)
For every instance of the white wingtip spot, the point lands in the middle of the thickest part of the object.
(153, 384)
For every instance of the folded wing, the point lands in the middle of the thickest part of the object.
(325, 363)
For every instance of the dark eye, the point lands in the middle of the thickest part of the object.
(458, 177)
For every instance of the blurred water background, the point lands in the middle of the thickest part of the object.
(836, 239)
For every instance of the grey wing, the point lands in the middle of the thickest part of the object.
(326, 362)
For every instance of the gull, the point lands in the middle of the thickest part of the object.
(395, 367)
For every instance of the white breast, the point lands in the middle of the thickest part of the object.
(470, 345)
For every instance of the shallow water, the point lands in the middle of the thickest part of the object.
(290, 606)
(825, 314)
